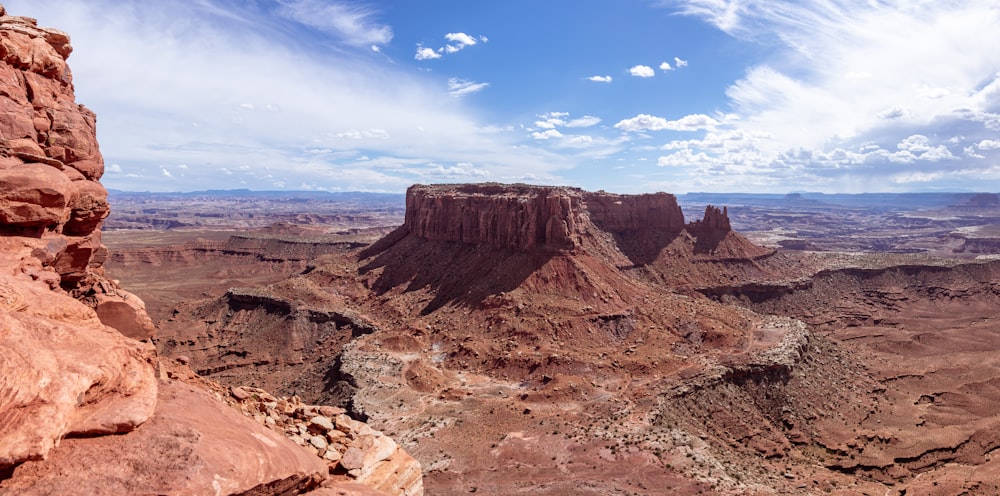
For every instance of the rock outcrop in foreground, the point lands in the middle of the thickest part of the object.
(85, 407)
(50, 166)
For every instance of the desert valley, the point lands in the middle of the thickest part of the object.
(478, 338)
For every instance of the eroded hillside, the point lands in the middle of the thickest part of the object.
(581, 351)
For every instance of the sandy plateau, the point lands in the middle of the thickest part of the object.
(545, 340)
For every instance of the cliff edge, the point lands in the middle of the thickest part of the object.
(76, 363)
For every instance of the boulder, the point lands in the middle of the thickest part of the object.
(34, 195)
(126, 314)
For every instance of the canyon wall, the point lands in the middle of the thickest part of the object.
(523, 217)
(634, 213)
(50, 166)
(500, 216)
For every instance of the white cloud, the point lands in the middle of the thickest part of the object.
(461, 87)
(643, 71)
(547, 134)
(644, 122)
(679, 62)
(686, 158)
(550, 123)
(460, 39)
(585, 121)
(914, 143)
(424, 53)
(600, 79)
(846, 95)
(458, 42)
(665, 67)
(166, 173)
(989, 144)
(352, 22)
(113, 168)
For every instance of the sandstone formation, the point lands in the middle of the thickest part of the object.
(50, 165)
(525, 217)
(194, 444)
(63, 372)
(495, 215)
(86, 406)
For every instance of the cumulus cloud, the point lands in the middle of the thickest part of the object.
(845, 99)
(547, 134)
(989, 144)
(646, 122)
(458, 42)
(424, 53)
(679, 62)
(643, 71)
(664, 66)
(600, 79)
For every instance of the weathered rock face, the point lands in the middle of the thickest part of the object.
(635, 213)
(194, 444)
(500, 216)
(64, 372)
(354, 451)
(524, 217)
(50, 165)
(715, 223)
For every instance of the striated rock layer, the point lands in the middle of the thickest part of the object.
(523, 217)
(50, 165)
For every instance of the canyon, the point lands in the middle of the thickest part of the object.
(557, 341)
(478, 338)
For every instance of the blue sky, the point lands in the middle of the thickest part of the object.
(626, 96)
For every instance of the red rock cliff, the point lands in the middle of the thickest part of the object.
(523, 217)
(50, 165)
(629, 213)
(498, 215)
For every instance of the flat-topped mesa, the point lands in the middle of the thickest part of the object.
(523, 217)
(501, 216)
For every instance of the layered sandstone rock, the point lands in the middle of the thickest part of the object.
(64, 372)
(501, 216)
(524, 217)
(194, 444)
(50, 165)
(625, 213)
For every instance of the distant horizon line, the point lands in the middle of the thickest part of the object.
(321, 192)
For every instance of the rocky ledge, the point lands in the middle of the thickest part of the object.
(50, 166)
